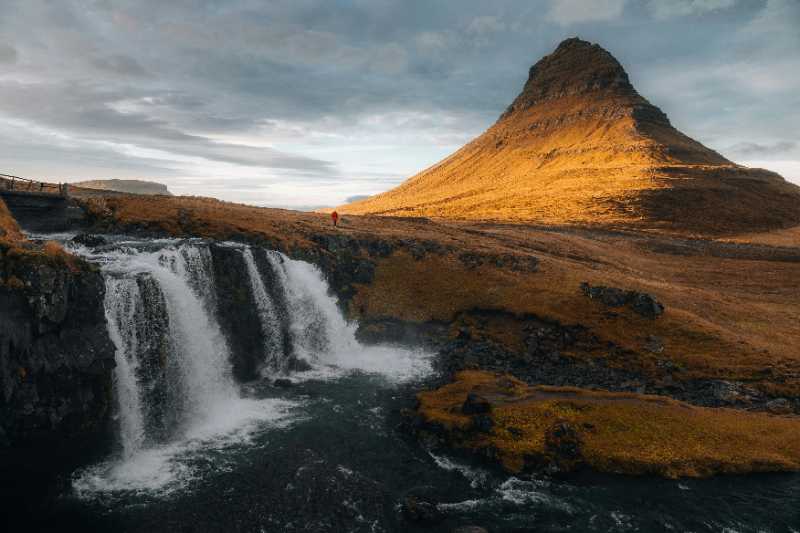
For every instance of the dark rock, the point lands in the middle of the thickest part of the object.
(470, 529)
(654, 344)
(642, 303)
(237, 311)
(283, 383)
(563, 443)
(646, 305)
(727, 392)
(416, 509)
(87, 239)
(779, 406)
(475, 404)
(483, 423)
(56, 367)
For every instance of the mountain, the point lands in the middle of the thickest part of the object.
(127, 186)
(581, 145)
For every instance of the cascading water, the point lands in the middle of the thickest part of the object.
(121, 302)
(174, 384)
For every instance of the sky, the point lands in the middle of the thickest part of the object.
(305, 103)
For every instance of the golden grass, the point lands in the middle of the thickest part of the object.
(16, 250)
(9, 229)
(618, 432)
(725, 318)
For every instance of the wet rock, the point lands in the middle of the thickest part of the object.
(283, 383)
(475, 405)
(419, 509)
(295, 364)
(87, 239)
(56, 365)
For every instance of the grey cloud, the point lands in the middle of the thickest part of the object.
(755, 150)
(119, 64)
(664, 9)
(8, 54)
(567, 12)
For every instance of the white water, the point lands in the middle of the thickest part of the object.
(210, 411)
(323, 336)
(122, 298)
(213, 412)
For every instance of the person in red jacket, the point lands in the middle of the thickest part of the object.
(335, 218)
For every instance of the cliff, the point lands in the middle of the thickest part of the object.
(56, 362)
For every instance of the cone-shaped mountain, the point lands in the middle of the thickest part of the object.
(580, 145)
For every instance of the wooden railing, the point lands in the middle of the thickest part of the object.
(16, 183)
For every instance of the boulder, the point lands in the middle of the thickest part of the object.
(87, 239)
(642, 303)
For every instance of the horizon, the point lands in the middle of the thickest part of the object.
(304, 106)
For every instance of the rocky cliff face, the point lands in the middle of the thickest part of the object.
(56, 362)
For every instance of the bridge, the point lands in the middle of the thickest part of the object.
(37, 205)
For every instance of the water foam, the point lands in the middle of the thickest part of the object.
(209, 410)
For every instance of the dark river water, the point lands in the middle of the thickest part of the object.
(338, 462)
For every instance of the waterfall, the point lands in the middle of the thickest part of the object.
(174, 379)
(317, 326)
(121, 300)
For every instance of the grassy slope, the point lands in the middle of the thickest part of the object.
(726, 318)
(616, 432)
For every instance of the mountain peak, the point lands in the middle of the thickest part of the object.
(580, 145)
(575, 67)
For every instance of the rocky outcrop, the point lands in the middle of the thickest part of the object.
(642, 303)
(237, 311)
(563, 429)
(56, 361)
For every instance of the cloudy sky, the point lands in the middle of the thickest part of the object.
(308, 102)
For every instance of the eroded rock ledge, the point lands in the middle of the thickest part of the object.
(561, 429)
(56, 359)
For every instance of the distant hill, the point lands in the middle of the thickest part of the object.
(127, 186)
(580, 145)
